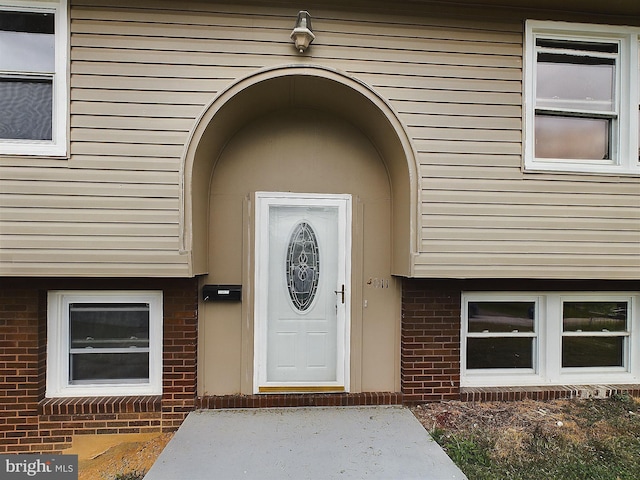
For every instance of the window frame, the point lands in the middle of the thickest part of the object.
(509, 375)
(548, 319)
(59, 349)
(625, 335)
(624, 136)
(58, 145)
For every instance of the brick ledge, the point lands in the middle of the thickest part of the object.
(299, 400)
(545, 392)
(97, 405)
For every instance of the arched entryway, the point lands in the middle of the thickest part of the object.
(310, 135)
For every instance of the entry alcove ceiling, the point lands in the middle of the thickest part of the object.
(297, 88)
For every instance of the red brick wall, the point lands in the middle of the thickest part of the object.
(430, 358)
(179, 372)
(31, 423)
(19, 369)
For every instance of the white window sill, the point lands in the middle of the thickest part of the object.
(33, 150)
(586, 378)
(581, 168)
(112, 390)
(495, 379)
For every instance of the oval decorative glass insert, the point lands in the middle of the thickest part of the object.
(303, 266)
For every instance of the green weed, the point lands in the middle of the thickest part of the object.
(603, 443)
(467, 451)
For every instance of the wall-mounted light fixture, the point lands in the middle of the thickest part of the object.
(302, 34)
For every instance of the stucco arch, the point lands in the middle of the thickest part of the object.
(307, 87)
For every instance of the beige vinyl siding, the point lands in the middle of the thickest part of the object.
(84, 222)
(141, 75)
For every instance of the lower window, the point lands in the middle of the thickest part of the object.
(595, 334)
(104, 343)
(549, 338)
(501, 335)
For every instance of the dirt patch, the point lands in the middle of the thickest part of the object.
(496, 415)
(597, 439)
(124, 458)
(512, 422)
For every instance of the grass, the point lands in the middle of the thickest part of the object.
(578, 439)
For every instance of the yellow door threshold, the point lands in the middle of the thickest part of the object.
(302, 389)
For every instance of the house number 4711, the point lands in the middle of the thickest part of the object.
(378, 282)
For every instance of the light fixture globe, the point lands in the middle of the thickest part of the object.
(302, 34)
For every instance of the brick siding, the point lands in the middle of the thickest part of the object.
(568, 392)
(430, 362)
(29, 422)
(430, 342)
(430, 355)
(301, 400)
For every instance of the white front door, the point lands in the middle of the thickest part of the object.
(302, 296)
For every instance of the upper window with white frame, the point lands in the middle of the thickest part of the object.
(33, 77)
(581, 98)
(104, 343)
(511, 339)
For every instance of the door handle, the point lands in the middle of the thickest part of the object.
(341, 292)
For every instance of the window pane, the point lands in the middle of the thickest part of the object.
(594, 316)
(26, 108)
(501, 316)
(572, 137)
(30, 22)
(575, 82)
(27, 42)
(499, 353)
(303, 266)
(95, 325)
(109, 366)
(592, 351)
(27, 52)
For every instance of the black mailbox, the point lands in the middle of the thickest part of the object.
(222, 293)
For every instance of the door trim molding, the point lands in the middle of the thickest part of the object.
(264, 200)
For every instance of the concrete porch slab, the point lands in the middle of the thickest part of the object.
(303, 443)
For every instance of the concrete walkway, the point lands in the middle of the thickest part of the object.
(303, 443)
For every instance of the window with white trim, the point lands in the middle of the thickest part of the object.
(33, 77)
(581, 98)
(511, 339)
(595, 333)
(104, 343)
(501, 335)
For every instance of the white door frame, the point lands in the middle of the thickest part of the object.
(263, 201)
